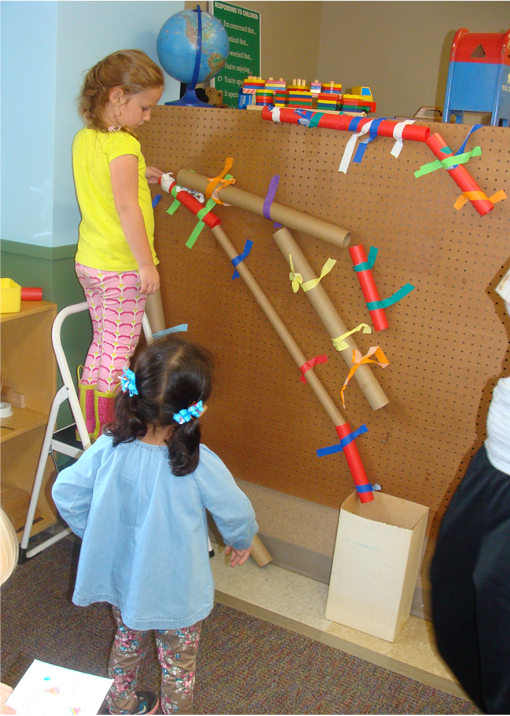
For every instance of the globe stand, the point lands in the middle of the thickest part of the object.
(190, 99)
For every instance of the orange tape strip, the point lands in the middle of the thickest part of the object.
(217, 183)
(357, 360)
(474, 195)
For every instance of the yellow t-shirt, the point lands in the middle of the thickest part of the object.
(101, 243)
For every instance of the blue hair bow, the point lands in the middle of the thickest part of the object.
(128, 382)
(185, 415)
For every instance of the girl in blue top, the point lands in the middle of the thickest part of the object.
(138, 498)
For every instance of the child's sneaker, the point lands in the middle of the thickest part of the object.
(148, 702)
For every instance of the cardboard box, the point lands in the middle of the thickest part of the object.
(377, 556)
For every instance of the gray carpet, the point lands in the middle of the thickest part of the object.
(245, 665)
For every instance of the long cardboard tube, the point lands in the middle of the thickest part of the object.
(350, 451)
(330, 318)
(282, 214)
(154, 311)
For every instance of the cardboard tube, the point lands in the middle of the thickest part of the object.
(330, 318)
(292, 218)
(352, 456)
(367, 283)
(259, 552)
(460, 174)
(31, 294)
(154, 311)
(345, 123)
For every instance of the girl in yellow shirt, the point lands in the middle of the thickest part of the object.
(115, 260)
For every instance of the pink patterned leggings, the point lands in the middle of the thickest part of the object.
(116, 309)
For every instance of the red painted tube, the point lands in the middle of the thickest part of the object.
(31, 294)
(341, 122)
(460, 174)
(355, 465)
(368, 287)
(189, 201)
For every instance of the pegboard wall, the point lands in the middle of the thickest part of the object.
(447, 341)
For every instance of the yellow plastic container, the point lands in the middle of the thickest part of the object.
(10, 296)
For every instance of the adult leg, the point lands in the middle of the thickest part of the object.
(129, 649)
(492, 583)
(454, 599)
(177, 653)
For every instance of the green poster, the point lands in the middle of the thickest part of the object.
(243, 30)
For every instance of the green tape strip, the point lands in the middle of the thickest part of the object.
(372, 255)
(448, 163)
(374, 305)
(176, 204)
(198, 228)
(316, 118)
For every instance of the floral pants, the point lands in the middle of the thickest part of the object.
(177, 652)
(116, 309)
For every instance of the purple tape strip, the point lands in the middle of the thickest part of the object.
(273, 186)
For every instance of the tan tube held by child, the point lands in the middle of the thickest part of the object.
(154, 311)
(330, 318)
(292, 218)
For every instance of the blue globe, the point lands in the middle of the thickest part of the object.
(177, 44)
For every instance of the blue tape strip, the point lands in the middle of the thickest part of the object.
(372, 134)
(373, 305)
(354, 123)
(343, 442)
(372, 255)
(156, 200)
(306, 116)
(463, 145)
(166, 331)
(364, 488)
(247, 248)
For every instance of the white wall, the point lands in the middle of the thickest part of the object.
(46, 47)
(399, 49)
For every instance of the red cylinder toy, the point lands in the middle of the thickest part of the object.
(189, 201)
(355, 465)
(368, 287)
(31, 294)
(342, 122)
(459, 174)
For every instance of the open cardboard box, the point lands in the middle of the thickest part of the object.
(377, 556)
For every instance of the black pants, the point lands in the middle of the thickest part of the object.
(471, 586)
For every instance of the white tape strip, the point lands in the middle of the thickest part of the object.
(350, 147)
(397, 134)
(275, 114)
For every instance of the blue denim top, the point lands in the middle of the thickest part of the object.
(144, 530)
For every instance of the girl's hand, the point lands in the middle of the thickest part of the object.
(152, 174)
(149, 279)
(239, 556)
(5, 692)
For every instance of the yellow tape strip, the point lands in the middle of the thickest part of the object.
(340, 343)
(474, 195)
(296, 278)
(358, 360)
(315, 281)
(217, 183)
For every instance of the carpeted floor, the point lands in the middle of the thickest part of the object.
(245, 665)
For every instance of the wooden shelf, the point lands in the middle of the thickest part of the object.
(28, 367)
(21, 421)
(28, 308)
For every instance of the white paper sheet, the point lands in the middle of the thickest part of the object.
(48, 690)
